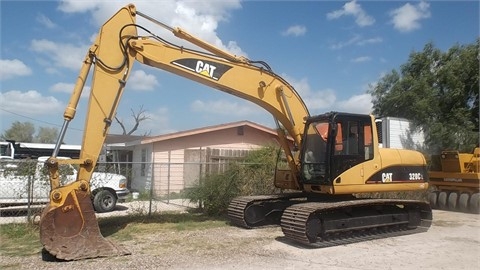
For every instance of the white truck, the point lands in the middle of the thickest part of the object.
(395, 132)
(24, 182)
(7, 151)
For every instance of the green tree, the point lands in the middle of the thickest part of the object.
(25, 132)
(439, 92)
(21, 132)
(46, 135)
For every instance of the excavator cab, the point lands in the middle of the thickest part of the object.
(333, 143)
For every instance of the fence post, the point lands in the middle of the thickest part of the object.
(168, 175)
(30, 196)
(152, 186)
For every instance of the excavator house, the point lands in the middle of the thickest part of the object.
(335, 155)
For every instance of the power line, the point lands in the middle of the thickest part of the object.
(37, 120)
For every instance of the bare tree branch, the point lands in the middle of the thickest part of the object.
(139, 116)
(121, 125)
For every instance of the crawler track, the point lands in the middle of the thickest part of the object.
(263, 210)
(329, 223)
(322, 224)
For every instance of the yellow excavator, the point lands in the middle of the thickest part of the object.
(334, 155)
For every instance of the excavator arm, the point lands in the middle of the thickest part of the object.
(68, 226)
(69, 229)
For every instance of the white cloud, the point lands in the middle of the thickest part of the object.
(77, 6)
(315, 100)
(199, 18)
(45, 21)
(68, 88)
(356, 40)
(225, 107)
(62, 55)
(13, 68)
(139, 80)
(30, 103)
(352, 9)
(370, 41)
(158, 123)
(234, 49)
(361, 59)
(62, 87)
(295, 30)
(347, 43)
(357, 104)
(320, 101)
(406, 18)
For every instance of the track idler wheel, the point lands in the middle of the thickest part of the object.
(69, 230)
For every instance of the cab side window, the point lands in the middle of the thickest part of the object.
(354, 138)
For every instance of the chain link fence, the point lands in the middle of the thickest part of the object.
(25, 185)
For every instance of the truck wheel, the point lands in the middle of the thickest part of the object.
(475, 203)
(452, 200)
(104, 201)
(442, 200)
(463, 202)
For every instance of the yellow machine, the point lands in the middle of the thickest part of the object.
(457, 182)
(334, 156)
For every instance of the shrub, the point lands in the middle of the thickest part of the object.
(253, 176)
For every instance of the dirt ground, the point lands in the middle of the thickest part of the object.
(453, 242)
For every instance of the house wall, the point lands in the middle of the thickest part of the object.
(168, 171)
(141, 171)
(194, 166)
(178, 162)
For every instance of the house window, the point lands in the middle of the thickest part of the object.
(220, 159)
(143, 166)
(240, 131)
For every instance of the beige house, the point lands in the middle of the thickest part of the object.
(172, 162)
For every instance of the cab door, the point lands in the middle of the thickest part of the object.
(353, 144)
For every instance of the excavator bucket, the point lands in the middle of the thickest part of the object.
(69, 230)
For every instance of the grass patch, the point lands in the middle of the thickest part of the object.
(24, 239)
(19, 240)
(127, 227)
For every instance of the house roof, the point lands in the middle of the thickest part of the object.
(121, 139)
(207, 129)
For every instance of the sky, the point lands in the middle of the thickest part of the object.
(332, 52)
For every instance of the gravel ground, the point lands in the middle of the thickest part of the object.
(453, 242)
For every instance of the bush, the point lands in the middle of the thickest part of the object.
(253, 176)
